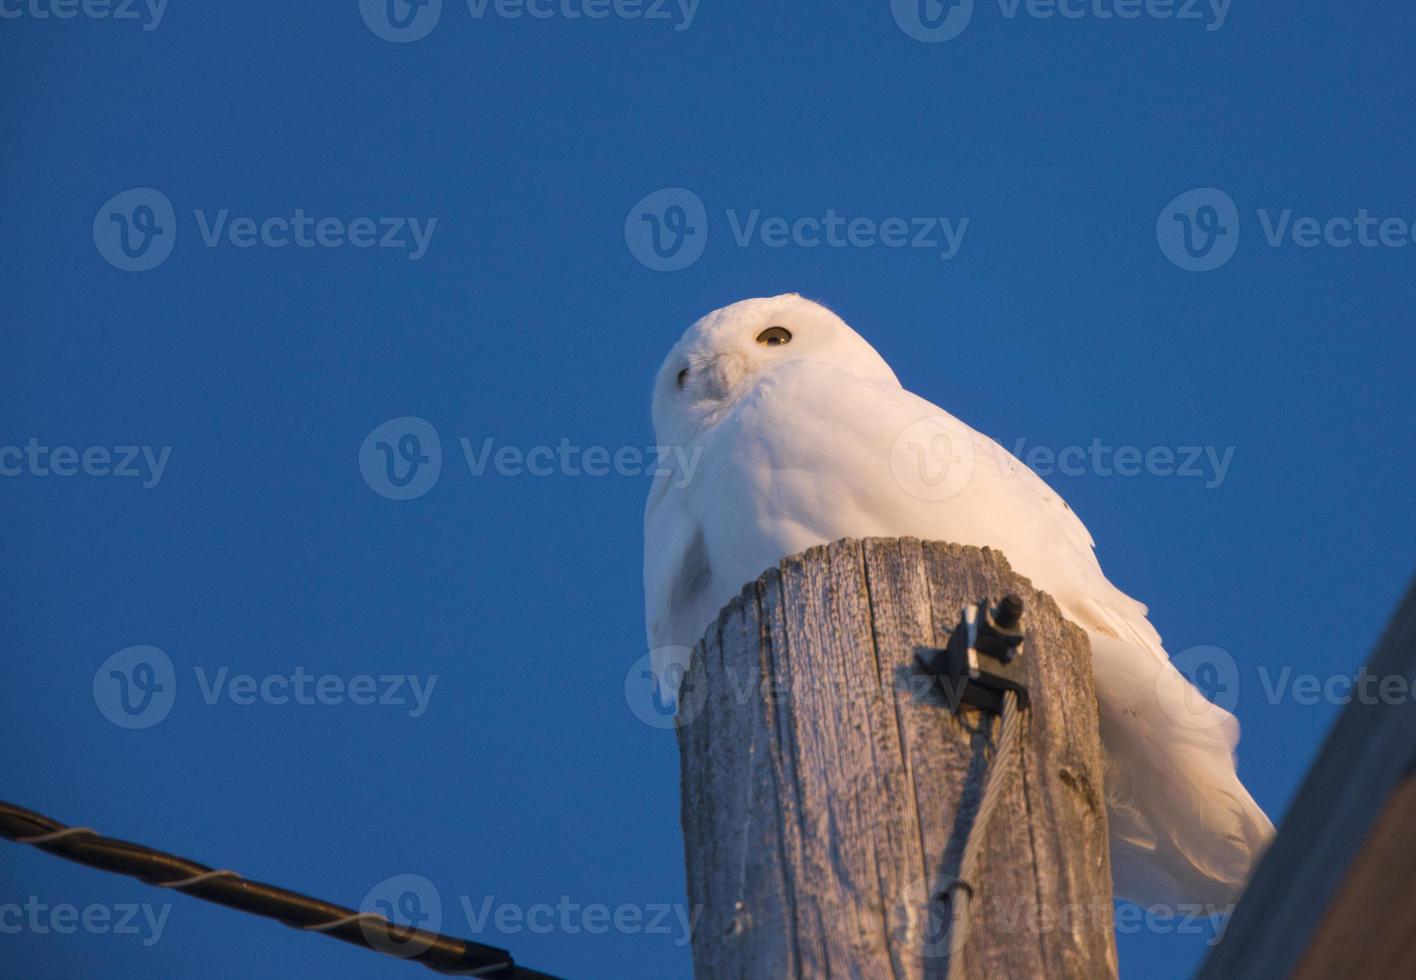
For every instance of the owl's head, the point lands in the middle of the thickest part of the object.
(728, 352)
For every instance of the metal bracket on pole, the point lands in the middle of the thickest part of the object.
(983, 660)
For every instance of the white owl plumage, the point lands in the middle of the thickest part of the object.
(793, 432)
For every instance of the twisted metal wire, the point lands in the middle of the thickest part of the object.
(370, 930)
(1004, 757)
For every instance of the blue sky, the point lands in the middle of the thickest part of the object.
(258, 538)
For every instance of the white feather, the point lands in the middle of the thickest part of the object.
(804, 443)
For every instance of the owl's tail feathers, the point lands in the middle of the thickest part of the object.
(1184, 830)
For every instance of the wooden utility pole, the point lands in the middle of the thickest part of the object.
(1332, 897)
(826, 805)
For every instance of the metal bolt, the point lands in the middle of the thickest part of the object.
(1009, 612)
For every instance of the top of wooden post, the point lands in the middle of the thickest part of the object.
(825, 807)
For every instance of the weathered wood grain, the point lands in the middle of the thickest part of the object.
(824, 802)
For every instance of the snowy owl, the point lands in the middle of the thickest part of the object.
(792, 419)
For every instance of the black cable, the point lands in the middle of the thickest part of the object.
(443, 954)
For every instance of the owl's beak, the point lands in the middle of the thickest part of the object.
(723, 374)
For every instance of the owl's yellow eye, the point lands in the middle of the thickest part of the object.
(775, 336)
(682, 377)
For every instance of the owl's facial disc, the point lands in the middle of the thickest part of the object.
(724, 356)
(719, 373)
